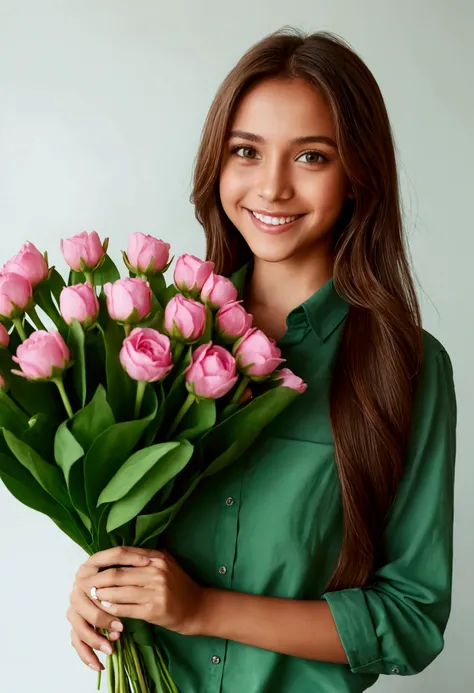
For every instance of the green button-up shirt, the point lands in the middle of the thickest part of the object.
(271, 524)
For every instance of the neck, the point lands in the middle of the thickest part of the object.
(279, 287)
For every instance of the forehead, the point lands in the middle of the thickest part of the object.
(283, 109)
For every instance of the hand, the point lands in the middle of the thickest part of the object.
(85, 614)
(160, 592)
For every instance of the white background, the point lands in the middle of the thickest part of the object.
(101, 108)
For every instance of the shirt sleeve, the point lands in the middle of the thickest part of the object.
(396, 624)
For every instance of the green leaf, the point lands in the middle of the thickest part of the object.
(12, 416)
(133, 470)
(28, 491)
(30, 396)
(200, 418)
(75, 342)
(227, 441)
(107, 272)
(148, 527)
(167, 294)
(142, 492)
(56, 283)
(43, 298)
(111, 449)
(67, 451)
(93, 419)
(120, 387)
(40, 435)
(47, 475)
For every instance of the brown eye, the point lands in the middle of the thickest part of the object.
(244, 149)
(317, 157)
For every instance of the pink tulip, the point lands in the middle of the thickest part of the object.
(190, 274)
(233, 321)
(4, 337)
(212, 372)
(83, 252)
(289, 379)
(257, 355)
(15, 295)
(146, 355)
(79, 303)
(128, 300)
(29, 263)
(185, 319)
(147, 255)
(217, 291)
(44, 355)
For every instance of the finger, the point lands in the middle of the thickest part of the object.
(139, 611)
(86, 653)
(124, 595)
(246, 396)
(119, 577)
(119, 555)
(87, 635)
(91, 612)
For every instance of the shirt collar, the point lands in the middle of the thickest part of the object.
(323, 311)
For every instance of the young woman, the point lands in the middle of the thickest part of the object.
(323, 558)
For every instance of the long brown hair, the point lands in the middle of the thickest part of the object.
(380, 352)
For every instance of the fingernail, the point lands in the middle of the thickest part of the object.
(106, 604)
(106, 649)
(94, 667)
(114, 636)
(116, 625)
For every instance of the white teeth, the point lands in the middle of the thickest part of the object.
(273, 221)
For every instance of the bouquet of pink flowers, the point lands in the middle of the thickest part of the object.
(110, 420)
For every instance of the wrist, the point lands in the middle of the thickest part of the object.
(205, 612)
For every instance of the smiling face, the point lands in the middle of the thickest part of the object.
(281, 161)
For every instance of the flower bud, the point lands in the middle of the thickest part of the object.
(83, 252)
(128, 300)
(80, 303)
(43, 356)
(29, 263)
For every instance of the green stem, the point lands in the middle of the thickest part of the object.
(164, 669)
(110, 672)
(90, 278)
(190, 399)
(19, 328)
(240, 389)
(36, 319)
(138, 668)
(178, 350)
(67, 404)
(128, 328)
(141, 387)
(99, 680)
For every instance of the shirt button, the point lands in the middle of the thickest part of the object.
(216, 659)
(222, 570)
(395, 670)
(229, 501)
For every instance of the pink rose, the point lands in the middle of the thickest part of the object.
(15, 295)
(146, 355)
(44, 355)
(212, 372)
(79, 302)
(83, 252)
(289, 379)
(256, 354)
(233, 321)
(128, 300)
(29, 263)
(185, 319)
(4, 337)
(217, 291)
(191, 273)
(146, 254)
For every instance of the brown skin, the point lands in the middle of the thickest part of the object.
(276, 176)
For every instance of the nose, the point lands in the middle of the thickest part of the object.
(274, 182)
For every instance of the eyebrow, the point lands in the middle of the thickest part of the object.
(323, 139)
